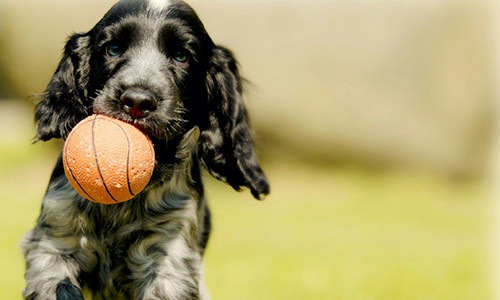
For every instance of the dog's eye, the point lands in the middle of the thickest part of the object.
(114, 50)
(181, 56)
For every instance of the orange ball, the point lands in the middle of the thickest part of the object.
(107, 160)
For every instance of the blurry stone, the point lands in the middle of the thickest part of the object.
(388, 83)
(385, 83)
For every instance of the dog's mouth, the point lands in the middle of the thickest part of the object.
(159, 127)
(157, 113)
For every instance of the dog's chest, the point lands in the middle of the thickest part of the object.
(117, 260)
(123, 232)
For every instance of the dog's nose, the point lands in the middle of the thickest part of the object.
(138, 103)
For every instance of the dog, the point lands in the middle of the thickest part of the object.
(150, 63)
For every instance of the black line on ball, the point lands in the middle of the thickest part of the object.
(97, 161)
(128, 159)
(73, 175)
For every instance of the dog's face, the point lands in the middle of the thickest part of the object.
(151, 63)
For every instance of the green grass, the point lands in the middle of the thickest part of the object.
(351, 234)
(323, 233)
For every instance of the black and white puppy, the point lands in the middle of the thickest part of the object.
(150, 63)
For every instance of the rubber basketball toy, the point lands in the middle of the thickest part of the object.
(107, 160)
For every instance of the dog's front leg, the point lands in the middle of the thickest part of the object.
(50, 273)
(53, 248)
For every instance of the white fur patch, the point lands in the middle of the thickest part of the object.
(159, 4)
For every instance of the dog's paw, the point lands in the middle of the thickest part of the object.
(67, 291)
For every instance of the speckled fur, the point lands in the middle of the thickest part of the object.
(152, 246)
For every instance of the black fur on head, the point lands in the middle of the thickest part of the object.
(156, 67)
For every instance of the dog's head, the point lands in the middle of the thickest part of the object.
(151, 63)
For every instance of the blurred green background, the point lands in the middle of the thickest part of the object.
(375, 124)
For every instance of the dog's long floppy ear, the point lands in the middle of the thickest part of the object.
(226, 145)
(64, 102)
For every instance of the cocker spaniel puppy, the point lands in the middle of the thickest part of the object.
(150, 63)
